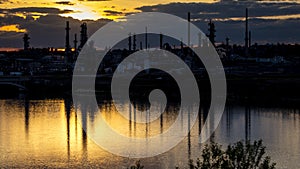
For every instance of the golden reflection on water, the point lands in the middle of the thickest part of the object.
(130, 128)
(41, 133)
(48, 133)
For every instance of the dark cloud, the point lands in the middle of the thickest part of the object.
(50, 30)
(113, 13)
(64, 3)
(225, 9)
(263, 30)
(47, 31)
(67, 11)
(37, 9)
(29, 13)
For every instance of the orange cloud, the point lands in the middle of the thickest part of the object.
(12, 28)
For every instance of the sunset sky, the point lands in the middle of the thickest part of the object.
(87, 9)
(44, 20)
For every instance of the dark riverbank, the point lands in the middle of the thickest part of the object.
(266, 90)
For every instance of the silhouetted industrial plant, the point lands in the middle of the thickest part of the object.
(52, 67)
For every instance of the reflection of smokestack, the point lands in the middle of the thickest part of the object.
(134, 42)
(129, 42)
(246, 34)
(67, 46)
(189, 20)
(146, 38)
(160, 41)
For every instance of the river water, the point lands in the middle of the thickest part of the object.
(47, 133)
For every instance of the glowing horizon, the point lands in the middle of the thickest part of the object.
(92, 9)
(97, 9)
(21, 17)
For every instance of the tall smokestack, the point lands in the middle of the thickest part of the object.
(246, 34)
(67, 46)
(146, 38)
(26, 41)
(212, 32)
(227, 45)
(75, 44)
(83, 35)
(181, 45)
(250, 38)
(189, 20)
(129, 42)
(134, 42)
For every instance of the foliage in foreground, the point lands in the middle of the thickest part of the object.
(137, 165)
(237, 156)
